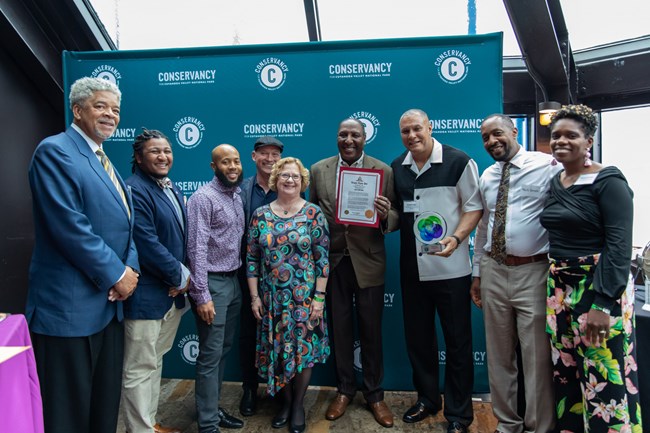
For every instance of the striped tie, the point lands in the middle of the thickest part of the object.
(111, 173)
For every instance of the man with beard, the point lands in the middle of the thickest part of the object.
(510, 272)
(153, 313)
(215, 220)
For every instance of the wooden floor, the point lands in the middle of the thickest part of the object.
(177, 409)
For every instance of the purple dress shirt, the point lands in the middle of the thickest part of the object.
(215, 226)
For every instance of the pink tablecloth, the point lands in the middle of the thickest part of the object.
(20, 394)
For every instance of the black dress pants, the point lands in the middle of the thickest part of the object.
(81, 380)
(345, 295)
(451, 300)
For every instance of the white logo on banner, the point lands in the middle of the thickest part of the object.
(370, 123)
(360, 70)
(389, 299)
(107, 72)
(189, 347)
(455, 126)
(479, 357)
(357, 356)
(453, 66)
(271, 73)
(189, 132)
(124, 135)
(175, 78)
(290, 129)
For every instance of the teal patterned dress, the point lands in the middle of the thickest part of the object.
(287, 255)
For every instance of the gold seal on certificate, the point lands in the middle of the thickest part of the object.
(356, 192)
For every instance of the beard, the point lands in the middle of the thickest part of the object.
(227, 182)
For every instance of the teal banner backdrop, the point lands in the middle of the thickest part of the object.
(299, 93)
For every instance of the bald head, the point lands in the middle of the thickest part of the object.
(227, 165)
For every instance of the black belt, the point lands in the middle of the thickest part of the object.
(518, 261)
(224, 274)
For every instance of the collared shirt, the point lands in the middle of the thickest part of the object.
(434, 158)
(215, 223)
(445, 188)
(259, 197)
(530, 176)
(93, 146)
(356, 164)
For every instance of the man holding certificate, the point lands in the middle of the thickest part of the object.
(355, 191)
(439, 205)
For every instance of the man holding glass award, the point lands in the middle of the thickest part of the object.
(355, 191)
(439, 205)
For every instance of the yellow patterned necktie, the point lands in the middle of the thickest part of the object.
(106, 163)
(498, 247)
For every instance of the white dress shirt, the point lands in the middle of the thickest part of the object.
(530, 176)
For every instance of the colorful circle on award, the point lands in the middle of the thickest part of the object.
(369, 213)
(430, 227)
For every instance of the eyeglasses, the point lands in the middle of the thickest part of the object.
(287, 176)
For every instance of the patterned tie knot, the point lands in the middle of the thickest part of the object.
(165, 182)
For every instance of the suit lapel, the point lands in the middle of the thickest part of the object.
(97, 167)
(331, 167)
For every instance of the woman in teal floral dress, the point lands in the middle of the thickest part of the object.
(287, 269)
(590, 304)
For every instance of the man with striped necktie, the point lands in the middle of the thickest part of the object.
(83, 266)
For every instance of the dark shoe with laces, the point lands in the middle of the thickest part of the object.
(248, 402)
(229, 421)
(456, 427)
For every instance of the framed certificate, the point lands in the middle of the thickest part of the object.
(355, 196)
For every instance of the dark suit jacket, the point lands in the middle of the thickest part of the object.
(161, 240)
(366, 244)
(84, 239)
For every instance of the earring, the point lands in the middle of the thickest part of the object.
(587, 162)
(553, 162)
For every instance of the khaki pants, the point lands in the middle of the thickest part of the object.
(145, 343)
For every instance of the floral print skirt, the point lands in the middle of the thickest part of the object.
(596, 388)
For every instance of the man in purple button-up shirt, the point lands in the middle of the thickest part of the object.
(215, 220)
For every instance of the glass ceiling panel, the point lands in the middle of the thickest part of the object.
(371, 19)
(149, 24)
(598, 22)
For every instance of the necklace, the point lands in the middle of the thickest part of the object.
(286, 211)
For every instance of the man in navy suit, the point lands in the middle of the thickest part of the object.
(153, 313)
(83, 265)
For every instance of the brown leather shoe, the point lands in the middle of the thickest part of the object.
(382, 413)
(337, 407)
(157, 428)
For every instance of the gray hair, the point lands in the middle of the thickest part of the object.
(84, 88)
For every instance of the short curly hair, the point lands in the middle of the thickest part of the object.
(84, 88)
(580, 113)
(278, 166)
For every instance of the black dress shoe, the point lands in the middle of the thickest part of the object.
(279, 420)
(229, 421)
(296, 428)
(417, 413)
(248, 402)
(456, 427)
